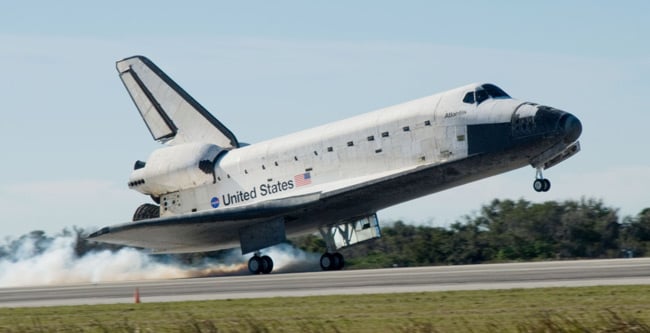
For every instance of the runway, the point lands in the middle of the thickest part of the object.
(391, 280)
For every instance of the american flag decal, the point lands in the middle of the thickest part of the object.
(302, 179)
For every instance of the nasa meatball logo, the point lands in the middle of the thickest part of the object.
(214, 202)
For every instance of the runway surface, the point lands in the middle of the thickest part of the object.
(469, 277)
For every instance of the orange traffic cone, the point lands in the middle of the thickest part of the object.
(136, 295)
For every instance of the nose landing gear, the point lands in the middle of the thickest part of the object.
(541, 184)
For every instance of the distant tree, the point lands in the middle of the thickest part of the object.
(635, 234)
(589, 229)
(310, 243)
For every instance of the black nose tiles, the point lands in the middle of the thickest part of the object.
(571, 127)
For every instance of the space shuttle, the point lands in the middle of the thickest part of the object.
(209, 191)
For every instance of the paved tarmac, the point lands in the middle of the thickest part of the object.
(346, 282)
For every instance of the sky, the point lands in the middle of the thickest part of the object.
(69, 133)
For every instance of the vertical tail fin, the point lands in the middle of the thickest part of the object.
(171, 114)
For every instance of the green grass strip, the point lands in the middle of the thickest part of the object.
(588, 309)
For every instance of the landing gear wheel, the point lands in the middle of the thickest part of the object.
(326, 262)
(260, 265)
(255, 265)
(268, 265)
(341, 261)
(541, 184)
(332, 261)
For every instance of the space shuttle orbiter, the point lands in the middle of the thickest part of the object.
(212, 192)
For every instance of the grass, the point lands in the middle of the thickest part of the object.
(588, 309)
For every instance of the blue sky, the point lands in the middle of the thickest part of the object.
(70, 133)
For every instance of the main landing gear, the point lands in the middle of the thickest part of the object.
(332, 261)
(541, 184)
(260, 264)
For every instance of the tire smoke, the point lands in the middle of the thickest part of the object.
(32, 261)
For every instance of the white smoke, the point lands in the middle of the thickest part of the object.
(288, 259)
(31, 261)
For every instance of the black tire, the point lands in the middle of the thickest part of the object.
(268, 264)
(547, 185)
(255, 265)
(339, 260)
(538, 185)
(146, 211)
(326, 262)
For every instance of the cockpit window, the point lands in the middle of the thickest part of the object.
(484, 92)
(494, 91)
(469, 98)
(481, 95)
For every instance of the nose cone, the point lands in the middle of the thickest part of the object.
(551, 122)
(571, 127)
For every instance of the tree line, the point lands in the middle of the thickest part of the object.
(506, 230)
(501, 231)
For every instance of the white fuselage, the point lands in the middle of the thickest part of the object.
(426, 131)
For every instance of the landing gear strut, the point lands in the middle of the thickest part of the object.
(541, 184)
(332, 261)
(260, 264)
(344, 234)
